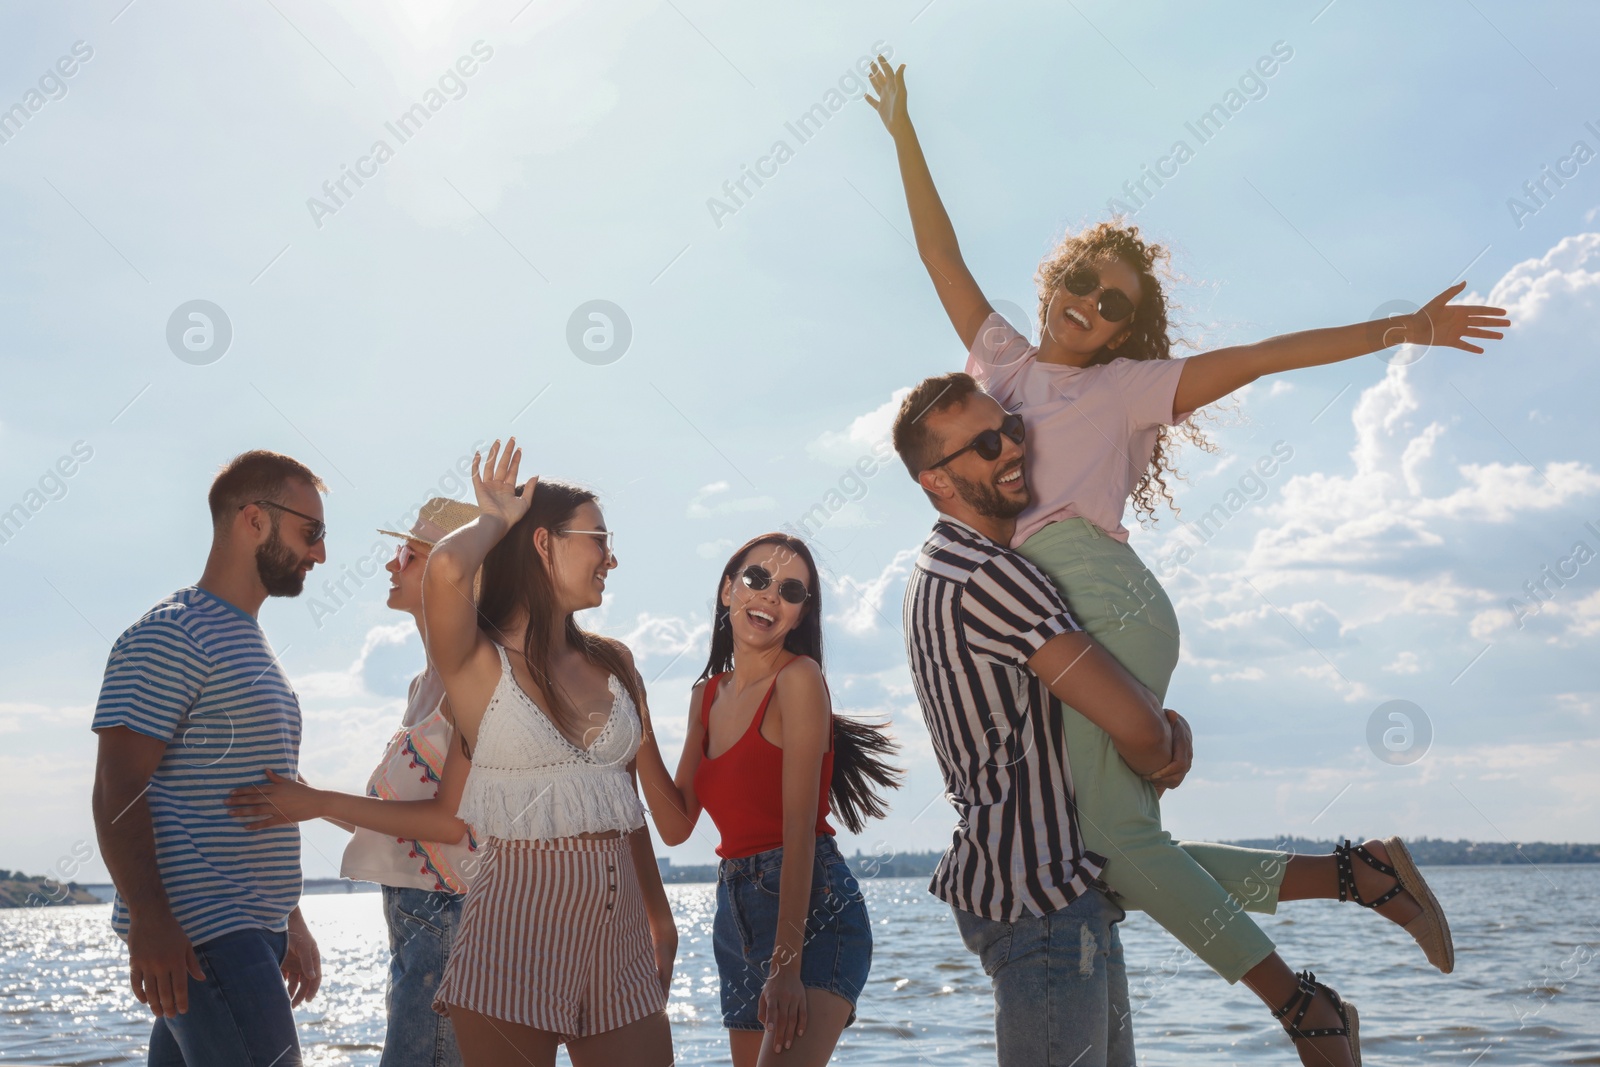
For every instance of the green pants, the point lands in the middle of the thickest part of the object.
(1194, 890)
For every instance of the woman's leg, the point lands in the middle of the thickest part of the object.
(1276, 984)
(826, 1015)
(490, 1042)
(645, 1042)
(421, 924)
(1122, 606)
(1317, 878)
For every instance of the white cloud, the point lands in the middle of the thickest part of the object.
(863, 610)
(865, 432)
(702, 506)
(1378, 510)
(1404, 663)
(665, 635)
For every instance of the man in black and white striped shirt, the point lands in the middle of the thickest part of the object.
(994, 653)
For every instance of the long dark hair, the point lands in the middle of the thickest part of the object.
(859, 748)
(516, 584)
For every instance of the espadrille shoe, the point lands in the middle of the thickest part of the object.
(1429, 929)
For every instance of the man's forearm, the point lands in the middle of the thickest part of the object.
(128, 845)
(1085, 677)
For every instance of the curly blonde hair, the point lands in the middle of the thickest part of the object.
(1148, 338)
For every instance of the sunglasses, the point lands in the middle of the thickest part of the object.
(318, 531)
(987, 444)
(1114, 305)
(757, 577)
(405, 554)
(606, 537)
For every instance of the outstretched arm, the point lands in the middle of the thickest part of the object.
(672, 801)
(1211, 376)
(279, 801)
(963, 301)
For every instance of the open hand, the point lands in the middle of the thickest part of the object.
(890, 104)
(279, 801)
(1442, 323)
(161, 960)
(666, 953)
(302, 963)
(783, 1006)
(499, 495)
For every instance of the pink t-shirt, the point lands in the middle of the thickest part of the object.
(1091, 430)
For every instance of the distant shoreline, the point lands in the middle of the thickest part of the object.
(22, 891)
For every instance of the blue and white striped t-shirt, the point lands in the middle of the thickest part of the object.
(198, 673)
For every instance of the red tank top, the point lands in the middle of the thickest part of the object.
(742, 789)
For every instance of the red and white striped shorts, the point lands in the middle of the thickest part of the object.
(554, 936)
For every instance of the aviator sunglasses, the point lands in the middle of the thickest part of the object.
(758, 578)
(987, 444)
(1114, 305)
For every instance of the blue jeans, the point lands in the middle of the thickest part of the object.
(422, 925)
(1060, 986)
(836, 954)
(239, 1015)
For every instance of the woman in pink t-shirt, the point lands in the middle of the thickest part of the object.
(1103, 402)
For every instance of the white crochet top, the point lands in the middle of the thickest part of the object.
(529, 783)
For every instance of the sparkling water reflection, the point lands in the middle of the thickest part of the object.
(1524, 990)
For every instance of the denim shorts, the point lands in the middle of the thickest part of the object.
(838, 940)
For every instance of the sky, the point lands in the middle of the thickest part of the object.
(546, 235)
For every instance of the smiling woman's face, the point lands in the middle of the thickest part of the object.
(405, 583)
(1073, 325)
(579, 562)
(761, 618)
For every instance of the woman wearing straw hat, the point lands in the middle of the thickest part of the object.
(406, 834)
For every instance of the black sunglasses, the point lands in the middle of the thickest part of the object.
(1114, 305)
(319, 529)
(758, 578)
(987, 444)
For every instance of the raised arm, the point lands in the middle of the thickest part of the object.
(671, 799)
(464, 657)
(963, 301)
(1086, 677)
(1210, 376)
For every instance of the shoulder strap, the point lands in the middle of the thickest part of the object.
(708, 695)
(761, 712)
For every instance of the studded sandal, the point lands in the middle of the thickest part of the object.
(1300, 1003)
(1429, 929)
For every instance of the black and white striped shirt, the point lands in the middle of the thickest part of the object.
(975, 613)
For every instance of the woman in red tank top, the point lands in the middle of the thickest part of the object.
(768, 760)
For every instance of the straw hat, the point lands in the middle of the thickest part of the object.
(438, 517)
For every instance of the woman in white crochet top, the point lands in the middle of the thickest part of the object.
(566, 935)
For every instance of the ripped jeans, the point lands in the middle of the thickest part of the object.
(1060, 987)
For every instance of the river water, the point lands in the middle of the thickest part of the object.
(1525, 988)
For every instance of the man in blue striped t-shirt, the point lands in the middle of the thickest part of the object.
(194, 704)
